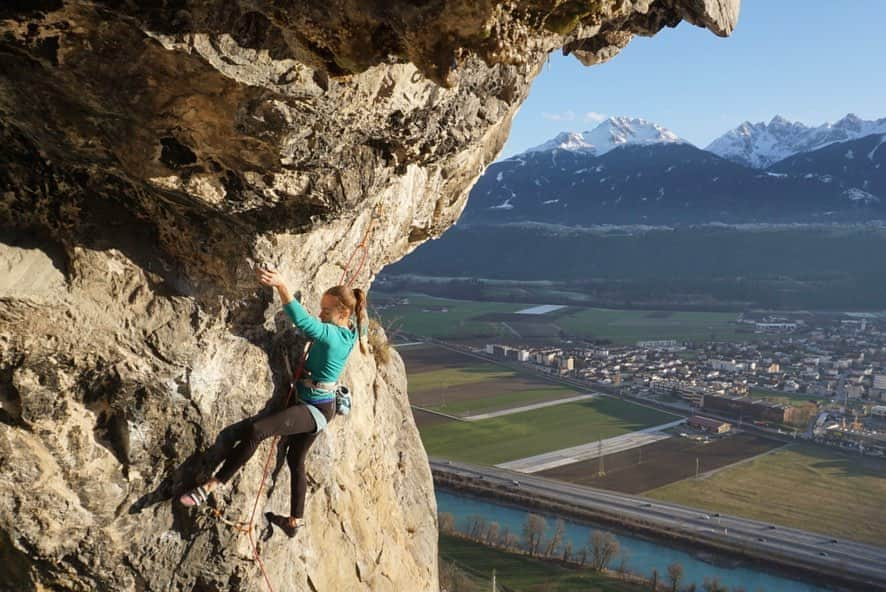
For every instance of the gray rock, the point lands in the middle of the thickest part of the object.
(151, 157)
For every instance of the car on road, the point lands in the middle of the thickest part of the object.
(705, 517)
(515, 483)
(770, 527)
(833, 541)
(822, 553)
(761, 539)
(647, 505)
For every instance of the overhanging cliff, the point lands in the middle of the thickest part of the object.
(150, 156)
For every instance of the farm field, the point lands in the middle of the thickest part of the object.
(446, 318)
(510, 437)
(658, 464)
(458, 384)
(801, 485)
(630, 326)
(474, 322)
(524, 574)
(782, 398)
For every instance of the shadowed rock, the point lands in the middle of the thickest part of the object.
(152, 156)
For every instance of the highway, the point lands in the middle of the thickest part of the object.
(862, 564)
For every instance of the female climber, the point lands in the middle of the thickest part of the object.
(333, 335)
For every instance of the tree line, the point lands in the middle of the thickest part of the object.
(602, 551)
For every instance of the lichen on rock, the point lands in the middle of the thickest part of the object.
(152, 155)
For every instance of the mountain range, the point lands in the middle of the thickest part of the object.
(631, 171)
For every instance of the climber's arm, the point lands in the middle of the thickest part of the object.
(312, 327)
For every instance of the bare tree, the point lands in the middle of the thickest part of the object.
(653, 581)
(622, 569)
(691, 587)
(533, 531)
(556, 538)
(675, 574)
(512, 541)
(582, 556)
(503, 536)
(453, 579)
(476, 526)
(446, 522)
(567, 552)
(604, 547)
(712, 585)
(492, 533)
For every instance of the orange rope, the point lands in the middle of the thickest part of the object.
(249, 527)
(361, 248)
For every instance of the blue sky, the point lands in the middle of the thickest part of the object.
(807, 61)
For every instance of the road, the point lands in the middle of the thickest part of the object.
(591, 450)
(839, 558)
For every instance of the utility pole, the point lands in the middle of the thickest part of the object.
(696, 467)
(493, 580)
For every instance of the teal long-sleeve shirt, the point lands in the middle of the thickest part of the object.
(332, 344)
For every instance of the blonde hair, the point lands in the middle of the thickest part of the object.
(352, 301)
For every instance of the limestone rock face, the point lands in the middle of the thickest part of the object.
(151, 154)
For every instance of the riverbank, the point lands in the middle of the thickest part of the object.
(793, 555)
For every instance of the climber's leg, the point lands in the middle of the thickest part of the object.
(295, 457)
(292, 420)
(297, 451)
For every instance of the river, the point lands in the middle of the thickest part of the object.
(642, 554)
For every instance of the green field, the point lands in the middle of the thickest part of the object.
(463, 385)
(803, 486)
(631, 326)
(505, 401)
(794, 399)
(459, 322)
(524, 574)
(419, 317)
(471, 373)
(511, 437)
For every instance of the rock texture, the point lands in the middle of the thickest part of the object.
(151, 154)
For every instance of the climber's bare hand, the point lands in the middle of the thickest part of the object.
(269, 277)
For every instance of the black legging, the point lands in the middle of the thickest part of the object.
(297, 423)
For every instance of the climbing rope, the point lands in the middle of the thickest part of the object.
(376, 215)
(248, 528)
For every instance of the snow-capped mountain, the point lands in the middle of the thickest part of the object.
(611, 134)
(579, 180)
(760, 145)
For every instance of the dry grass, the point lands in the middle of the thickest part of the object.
(378, 342)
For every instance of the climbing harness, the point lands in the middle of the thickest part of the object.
(342, 406)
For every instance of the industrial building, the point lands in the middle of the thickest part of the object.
(715, 426)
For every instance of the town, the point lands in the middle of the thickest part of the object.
(817, 378)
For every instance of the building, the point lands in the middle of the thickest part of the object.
(744, 408)
(878, 411)
(715, 426)
(880, 382)
(726, 365)
(775, 327)
(658, 344)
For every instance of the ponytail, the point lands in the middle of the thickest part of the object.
(360, 310)
(354, 302)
